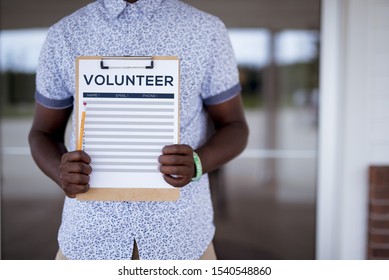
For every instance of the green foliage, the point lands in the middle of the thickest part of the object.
(294, 77)
(289, 80)
(16, 93)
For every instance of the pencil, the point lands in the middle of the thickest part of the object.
(81, 135)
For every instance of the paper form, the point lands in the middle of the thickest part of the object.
(129, 115)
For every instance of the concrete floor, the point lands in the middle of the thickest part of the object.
(252, 229)
(257, 216)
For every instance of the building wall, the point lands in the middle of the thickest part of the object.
(274, 14)
(378, 80)
(354, 121)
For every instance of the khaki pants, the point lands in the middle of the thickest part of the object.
(209, 253)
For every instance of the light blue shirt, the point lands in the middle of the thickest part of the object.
(163, 230)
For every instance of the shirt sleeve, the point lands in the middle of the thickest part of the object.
(51, 90)
(222, 78)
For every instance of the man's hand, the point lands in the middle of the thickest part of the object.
(177, 165)
(74, 173)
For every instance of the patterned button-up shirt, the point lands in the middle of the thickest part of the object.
(163, 230)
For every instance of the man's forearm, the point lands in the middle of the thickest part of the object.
(224, 145)
(47, 153)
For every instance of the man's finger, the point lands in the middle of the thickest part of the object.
(74, 178)
(76, 156)
(178, 182)
(175, 160)
(76, 167)
(177, 149)
(72, 189)
(176, 170)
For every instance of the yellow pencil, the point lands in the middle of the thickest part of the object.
(81, 135)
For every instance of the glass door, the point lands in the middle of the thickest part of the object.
(265, 201)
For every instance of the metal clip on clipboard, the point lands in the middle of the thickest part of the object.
(118, 62)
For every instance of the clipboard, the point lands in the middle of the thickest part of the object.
(127, 109)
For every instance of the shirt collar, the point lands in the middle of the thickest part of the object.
(116, 7)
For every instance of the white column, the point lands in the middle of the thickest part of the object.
(329, 129)
(354, 131)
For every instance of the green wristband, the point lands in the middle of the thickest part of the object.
(198, 166)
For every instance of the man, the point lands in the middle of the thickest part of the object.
(209, 85)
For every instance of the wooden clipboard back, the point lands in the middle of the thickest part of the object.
(106, 194)
(125, 194)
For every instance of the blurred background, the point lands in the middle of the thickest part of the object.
(264, 200)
